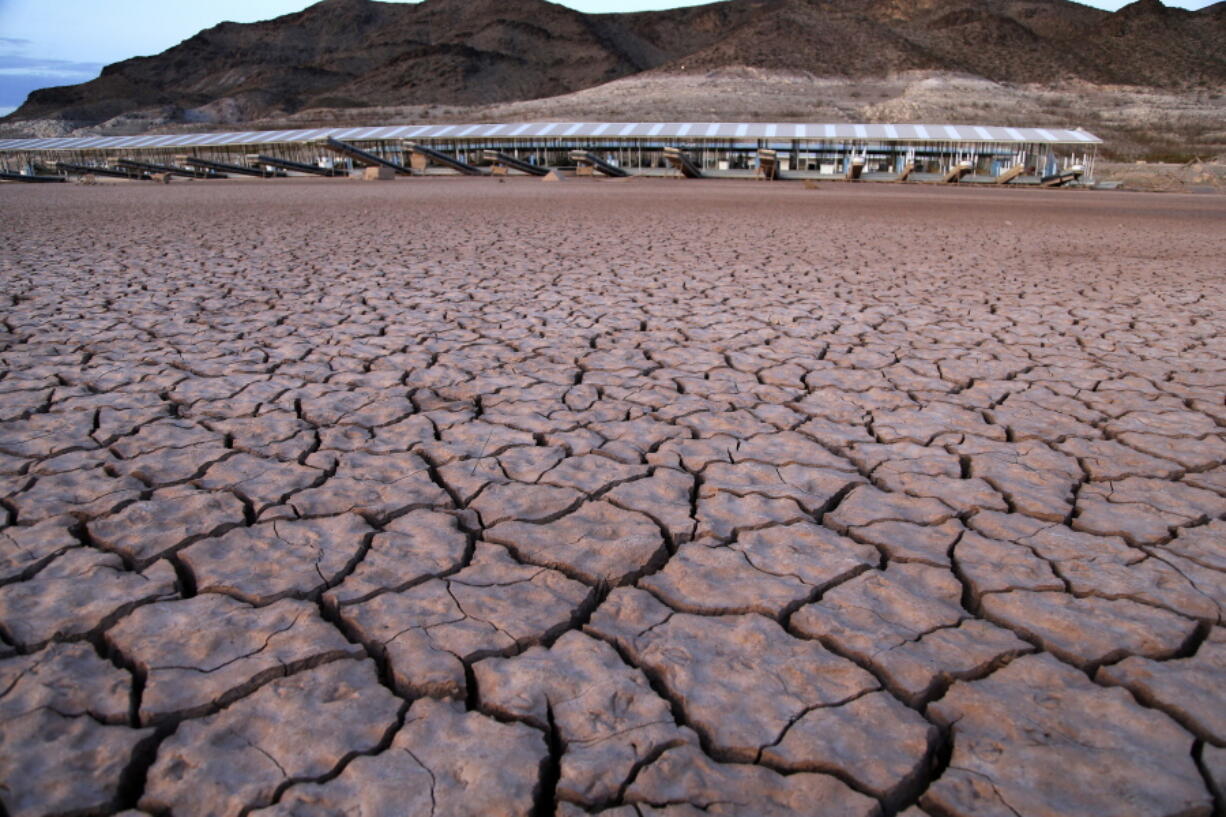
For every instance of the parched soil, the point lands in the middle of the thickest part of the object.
(457, 497)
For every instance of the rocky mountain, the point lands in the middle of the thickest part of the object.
(360, 53)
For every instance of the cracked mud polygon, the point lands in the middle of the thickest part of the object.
(447, 497)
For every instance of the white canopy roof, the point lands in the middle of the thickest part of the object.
(652, 131)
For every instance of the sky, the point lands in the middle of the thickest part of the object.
(64, 42)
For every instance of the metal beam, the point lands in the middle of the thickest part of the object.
(173, 170)
(299, 167)
(19, 177)
(589, 158)
(223, 167)
(363, 157)
(510, 161)
(82, 170)
(449, 161)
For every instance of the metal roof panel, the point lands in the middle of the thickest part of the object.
(722, 131)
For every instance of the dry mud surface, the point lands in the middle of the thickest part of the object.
(453, 497)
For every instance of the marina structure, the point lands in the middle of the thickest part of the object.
(783, 150)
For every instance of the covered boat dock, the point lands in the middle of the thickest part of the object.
(964, 154)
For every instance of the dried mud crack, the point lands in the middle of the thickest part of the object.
(647, 499)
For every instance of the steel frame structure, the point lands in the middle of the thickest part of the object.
(716, 148)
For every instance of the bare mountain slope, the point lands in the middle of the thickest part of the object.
(353, 54)
(350, 53)
(1144, 43)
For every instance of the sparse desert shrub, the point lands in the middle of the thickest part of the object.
(1173, 157)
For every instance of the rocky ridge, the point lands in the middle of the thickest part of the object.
(360, 54)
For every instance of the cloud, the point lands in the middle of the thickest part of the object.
(16, 65)
(14, 42)
(21, 75)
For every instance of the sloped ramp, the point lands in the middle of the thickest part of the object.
(18, 177)
(111, 172)
(364, 157)
(225, 167)
(500, 158)
(299, 167)
(768, 164)
(680, 160)
(957, 172)
(449, 161)
(586, 157)
(172, 170)
(1010, 174)
(1062, 178)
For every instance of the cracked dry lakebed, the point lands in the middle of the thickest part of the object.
(646, 499)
